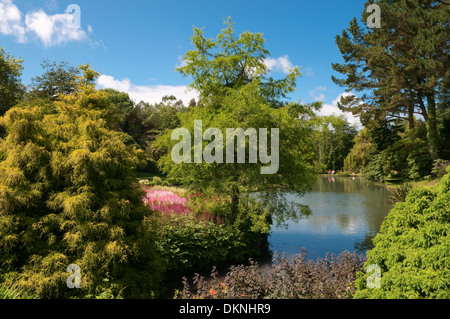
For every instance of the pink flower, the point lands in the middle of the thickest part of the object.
(170, 203)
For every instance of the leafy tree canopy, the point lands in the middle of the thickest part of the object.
(228, 73)
(229, 62)
(11, 89)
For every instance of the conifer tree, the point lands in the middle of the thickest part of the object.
(68, 196)
(400, 69)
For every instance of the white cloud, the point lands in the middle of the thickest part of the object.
(333, 109)
(49, 29)
(53, 29)
(11, 21)
(281, 64)
(147, 93)
(319, 97)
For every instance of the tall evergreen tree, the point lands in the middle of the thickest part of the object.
(399, 69)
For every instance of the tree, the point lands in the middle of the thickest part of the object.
(168, 112)
(230, 98)
(68, 196)
(401, 68)
(11, 88)
(443, 115)
(359, 156)
(397, 151)
(230, 62)
(58, 79)
(335, 139)
(412, 248)
(131, 116)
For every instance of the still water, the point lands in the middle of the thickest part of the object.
(347, 213)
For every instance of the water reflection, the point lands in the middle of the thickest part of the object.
(346, 214)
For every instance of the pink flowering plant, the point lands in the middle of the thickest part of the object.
(166, 201)
(195, 231)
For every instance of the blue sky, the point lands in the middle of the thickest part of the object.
(135, 45)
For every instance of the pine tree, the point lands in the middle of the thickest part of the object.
(401, 68)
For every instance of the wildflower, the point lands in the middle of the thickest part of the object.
(212, 292)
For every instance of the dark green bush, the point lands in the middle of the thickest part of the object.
(191, 244)
(440, 167)
(375, 169)
(406, 158)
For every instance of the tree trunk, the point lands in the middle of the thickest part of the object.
(411, 116)
(432, 132)
(234, 204)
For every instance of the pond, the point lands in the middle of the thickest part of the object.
(347, 213)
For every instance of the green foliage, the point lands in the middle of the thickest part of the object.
(406, 157)
(399, 69)
(68, 196)
(194, 242)
(384, 133)
(143, 122)
(233, 98)
(335, 139)
(440, 167)
(131, 117)
(168, 113)
(443, 116)
(413, 247)
(359, 156)
(9, 291)
(376, 169)
(11, 89)
(245, 109)
(58, 79)
(399, 193)
(230, 62)
(191, 245)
